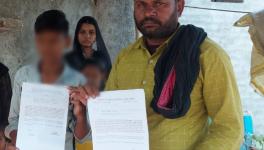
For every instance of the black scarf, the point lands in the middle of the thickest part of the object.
(182, 55)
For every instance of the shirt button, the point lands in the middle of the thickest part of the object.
(151, 62)
(144, 82)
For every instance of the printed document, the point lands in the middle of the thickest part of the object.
(118, 120)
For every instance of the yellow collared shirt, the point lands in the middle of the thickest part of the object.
(214, 97)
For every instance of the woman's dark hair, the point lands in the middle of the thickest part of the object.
(101, 48)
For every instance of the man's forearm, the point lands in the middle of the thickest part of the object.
(81, 128)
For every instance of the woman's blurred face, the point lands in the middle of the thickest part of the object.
(93, 75)
(87, 35)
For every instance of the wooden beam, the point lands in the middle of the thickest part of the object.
(3, 27)
(7, 24)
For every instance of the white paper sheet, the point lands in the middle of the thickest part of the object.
(118, 121)
(43, 117)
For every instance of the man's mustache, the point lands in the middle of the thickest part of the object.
(149, 19)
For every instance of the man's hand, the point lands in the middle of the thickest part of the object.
(83, 93)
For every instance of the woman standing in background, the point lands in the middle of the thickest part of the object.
(88, 44)
(5, 99)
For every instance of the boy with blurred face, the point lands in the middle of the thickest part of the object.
(188, 80)
(51, 38)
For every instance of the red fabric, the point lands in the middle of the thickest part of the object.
(167, 91)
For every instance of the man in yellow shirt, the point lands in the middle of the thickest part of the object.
(192, 97)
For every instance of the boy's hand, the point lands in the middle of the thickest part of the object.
(83, 93)
(79, 97)
(79, 110)
(13, 136)
(2, 141)
(10, 146)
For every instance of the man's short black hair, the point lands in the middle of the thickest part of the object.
(52, 20)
